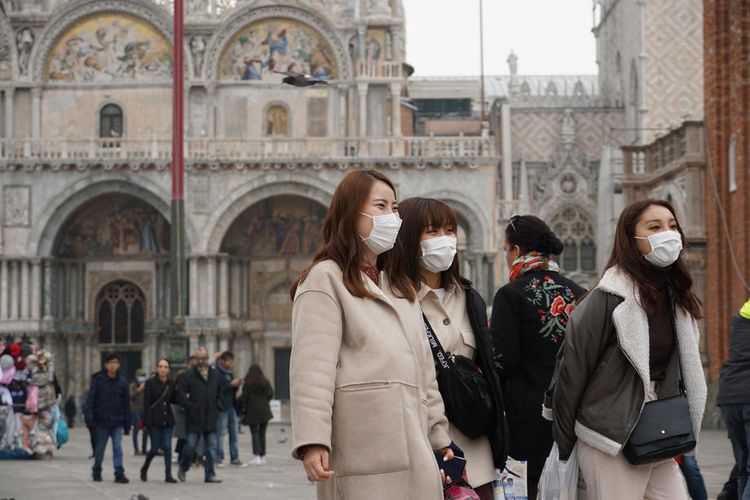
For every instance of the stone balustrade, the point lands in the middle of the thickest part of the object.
(83, 153)
(684, 144)
(379, 70)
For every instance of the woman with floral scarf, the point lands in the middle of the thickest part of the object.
(529, 316)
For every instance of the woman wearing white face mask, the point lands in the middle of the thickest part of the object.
(632, 341)
(366, 411)
(423, 267)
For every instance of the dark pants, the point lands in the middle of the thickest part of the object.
(102, 435)
(191, 443)
(693, 477)
(136, 419)
(737, 418)
(258, 432)
(161, 439)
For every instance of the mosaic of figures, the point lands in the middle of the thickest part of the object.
(108, 47)
(280, 226)
(114, 225)
(277, 45)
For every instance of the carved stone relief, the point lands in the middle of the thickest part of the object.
(17, 206)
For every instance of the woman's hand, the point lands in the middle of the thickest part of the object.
(447, 455)
(315, 461)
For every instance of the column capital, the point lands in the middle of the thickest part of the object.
(36, 92)
(362, 88)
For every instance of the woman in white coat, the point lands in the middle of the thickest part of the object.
(366, 410)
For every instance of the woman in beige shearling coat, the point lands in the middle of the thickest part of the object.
(366, 411)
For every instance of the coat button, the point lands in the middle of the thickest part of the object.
(446, 321)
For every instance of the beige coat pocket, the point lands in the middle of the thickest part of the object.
(369, 435)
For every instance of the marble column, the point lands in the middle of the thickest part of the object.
(87, 356)
(223, 286)
(47, 290)
(343, 127)
(193, 343)
(193, 262)
(14, 287)
(9, 112)
(36, 112)
(362, 108)
(70, 354)
(211, 287)
(396, 109)
(4, 289)
(211, 109)
(36, 289)
(223, 341)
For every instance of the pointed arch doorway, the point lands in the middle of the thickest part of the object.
(120, 324)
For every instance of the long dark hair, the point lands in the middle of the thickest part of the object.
(341, 243)
(401, 264)
(626, 256)
(255, 377)
(532, 234)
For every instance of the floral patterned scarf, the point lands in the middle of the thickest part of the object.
(532, 261)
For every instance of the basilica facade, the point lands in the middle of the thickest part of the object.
(85, 155)
(85, 169)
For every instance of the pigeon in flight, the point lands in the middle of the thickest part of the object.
(300, 79)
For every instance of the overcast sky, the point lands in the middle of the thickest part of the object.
(550, 37)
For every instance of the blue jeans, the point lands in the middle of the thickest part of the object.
(102, 434)
(693, 478)
(161, 439)
(191, 442)
(136, 417)
(227, 419)
(737, 418)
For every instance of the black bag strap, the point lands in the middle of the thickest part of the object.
(441, 358)
(163, 394)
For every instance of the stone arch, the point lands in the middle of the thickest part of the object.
(257, 190)
(42, 238)
(245, 16)
(480, 230)
(123, 110)
(77, 10)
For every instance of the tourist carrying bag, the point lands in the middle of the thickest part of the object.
(466, 394)
(664, 430)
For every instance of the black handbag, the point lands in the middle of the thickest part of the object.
(466, 394)
(664, 430)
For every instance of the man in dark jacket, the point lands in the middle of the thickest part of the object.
(200, 393)
(108, 412)
(228, 415)
(734, 397)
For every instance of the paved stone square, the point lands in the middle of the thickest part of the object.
(68, 475)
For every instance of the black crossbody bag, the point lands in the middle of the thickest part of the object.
(664, 429)
(466, 394)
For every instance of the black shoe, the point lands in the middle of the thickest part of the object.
(97, 477)
(181, 475)
(170, 479)
(144, 473)
(212, 480)
(122, 479)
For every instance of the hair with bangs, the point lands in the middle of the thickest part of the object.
(401, 264)
(341, 243)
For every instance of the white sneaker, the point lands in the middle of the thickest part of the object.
(262, 460)
(256, 461)
(220, 465)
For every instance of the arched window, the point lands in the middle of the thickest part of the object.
(120, 314)
(576, 232)
(277, 121)
(110, 121)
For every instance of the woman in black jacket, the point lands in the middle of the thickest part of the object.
(529, 316)
(424, 266)
(158, 396)
(256, 396)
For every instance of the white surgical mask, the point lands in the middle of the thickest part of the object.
(665, 248)
(438, 253)
(384, 232)
(141, 379)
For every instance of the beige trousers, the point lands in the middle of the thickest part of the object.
(613, 478)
